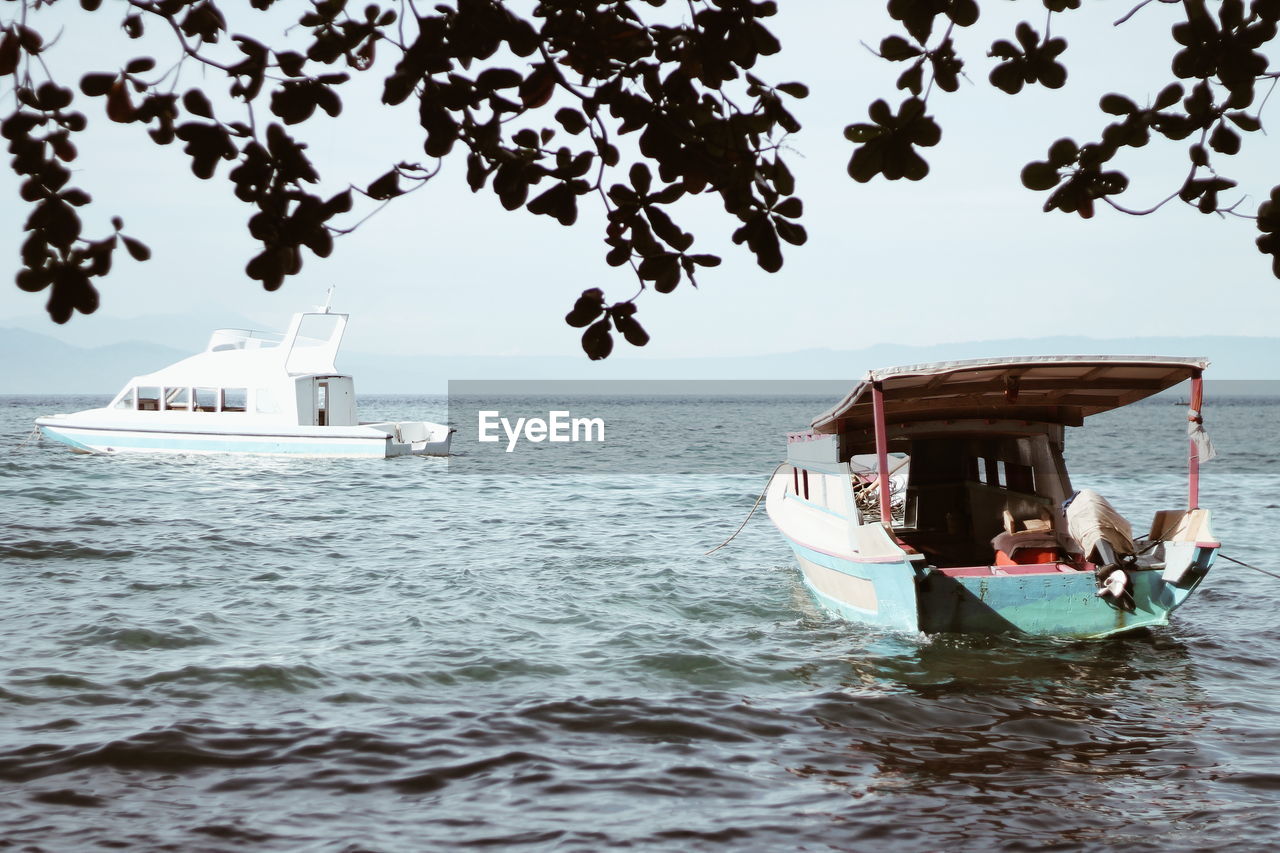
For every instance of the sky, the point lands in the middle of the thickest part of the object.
(965, 255)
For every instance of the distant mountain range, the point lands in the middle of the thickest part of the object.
(40, 364)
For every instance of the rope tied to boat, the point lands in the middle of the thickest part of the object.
(753, 512)
(1247, 566)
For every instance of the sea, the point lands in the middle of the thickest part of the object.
(202, 653)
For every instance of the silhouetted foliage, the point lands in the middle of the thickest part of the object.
(1217, 56)
(534, 99)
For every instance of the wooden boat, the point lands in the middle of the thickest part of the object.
(248, 392)
(931, 498)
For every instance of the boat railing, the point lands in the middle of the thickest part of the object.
(245, 339)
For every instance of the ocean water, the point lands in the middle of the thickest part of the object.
(204, 653)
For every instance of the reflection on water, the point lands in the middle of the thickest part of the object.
(1005, 737)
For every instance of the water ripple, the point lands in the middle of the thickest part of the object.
(344, 655)
(34, 549)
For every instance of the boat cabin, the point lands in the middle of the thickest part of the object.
(944, 458)
(962, 479)
(254, 376)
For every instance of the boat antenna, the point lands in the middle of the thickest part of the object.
(328, 299)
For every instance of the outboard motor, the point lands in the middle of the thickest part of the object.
(1107, 541)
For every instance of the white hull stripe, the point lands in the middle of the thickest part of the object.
(158, 442)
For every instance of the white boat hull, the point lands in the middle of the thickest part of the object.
(364, 441)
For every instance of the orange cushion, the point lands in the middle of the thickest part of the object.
(1028, 556)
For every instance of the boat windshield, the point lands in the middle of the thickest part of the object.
(318, 330)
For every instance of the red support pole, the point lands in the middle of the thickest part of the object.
(1193, 462)
(882, 452)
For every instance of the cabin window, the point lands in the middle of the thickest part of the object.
(804, 478)
(125, 400)
(264, 401)
(148, 399)
(795, 481)
(998, 473)
(235, 399)
(177, 398)
(206, 399)
(1019, 478)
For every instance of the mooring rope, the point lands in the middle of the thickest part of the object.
(748, 518)
(1246, 565)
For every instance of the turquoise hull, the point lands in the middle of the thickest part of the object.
(1045, 604)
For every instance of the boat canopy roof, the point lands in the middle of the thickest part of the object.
(249, 359)
(1059, 389)
(230, 369)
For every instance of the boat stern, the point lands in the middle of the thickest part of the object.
(1059, 600)
(416, 438)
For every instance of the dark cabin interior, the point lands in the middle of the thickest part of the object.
(959, 488)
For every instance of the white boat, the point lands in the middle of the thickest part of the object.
(935, 498)
(248, 392)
